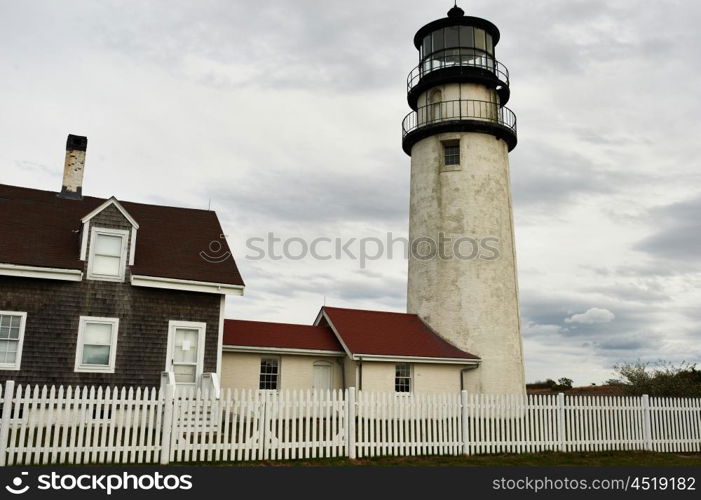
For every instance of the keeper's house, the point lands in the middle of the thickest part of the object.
(105, 292)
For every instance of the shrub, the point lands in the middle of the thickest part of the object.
(661, 379)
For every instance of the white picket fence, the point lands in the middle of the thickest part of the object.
(94, 425)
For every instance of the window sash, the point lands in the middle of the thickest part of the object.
(451, 154)
(108, 252)
(106, 265)
(269, 377)
(402, 377)
(93, 355)
(109, 245)
(12, 326)
(97, 344)
(8, 351)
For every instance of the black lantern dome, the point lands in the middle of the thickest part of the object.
(459, 49)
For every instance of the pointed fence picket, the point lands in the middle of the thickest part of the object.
(86, 425)
(80, 425)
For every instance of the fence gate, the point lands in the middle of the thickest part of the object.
(304, 424)
(209, 429)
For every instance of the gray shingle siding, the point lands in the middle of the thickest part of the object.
(53, 311)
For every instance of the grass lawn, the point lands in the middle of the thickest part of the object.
(607, 458)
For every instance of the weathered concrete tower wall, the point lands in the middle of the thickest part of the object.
(462, 268)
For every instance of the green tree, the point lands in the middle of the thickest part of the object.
(564, 383)
(660, 379)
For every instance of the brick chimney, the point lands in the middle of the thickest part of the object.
(74, 167)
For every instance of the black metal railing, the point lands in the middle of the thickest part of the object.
(451, 59)
(447, 111)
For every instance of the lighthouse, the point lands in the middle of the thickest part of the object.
(462, 277)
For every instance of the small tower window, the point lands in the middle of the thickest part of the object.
(451, 153)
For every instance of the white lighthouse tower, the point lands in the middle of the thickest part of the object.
(462, 264)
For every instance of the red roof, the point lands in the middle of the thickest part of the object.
(40, 229)
(281, 335)
(390, 334)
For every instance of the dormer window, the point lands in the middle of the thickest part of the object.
(108, 254)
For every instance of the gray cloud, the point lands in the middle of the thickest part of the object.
(633, 334)
(678, 235)
(547, 175)
(317, 197)
(646, 291)
(281, 45)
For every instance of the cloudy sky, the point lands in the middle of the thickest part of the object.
(284, 117)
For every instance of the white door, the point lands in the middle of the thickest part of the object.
(186, 352)
(322, 376)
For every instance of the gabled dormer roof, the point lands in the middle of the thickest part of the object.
(179, 248)
(111, 202)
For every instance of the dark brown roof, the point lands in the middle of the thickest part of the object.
(40, 229)
(390, 334)
(281, 335)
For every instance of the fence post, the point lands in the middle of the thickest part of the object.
(5, 423)
(561, 421)
(647, 422)
(167, 430)
(463, 413)
(350, 422)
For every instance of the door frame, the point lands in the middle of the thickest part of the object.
(201, 328)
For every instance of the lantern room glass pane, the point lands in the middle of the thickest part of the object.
(480, 42)
(466, 36)
(469, 56)
(438, 41)
(426, 46)
(452, 38)
(490, 45)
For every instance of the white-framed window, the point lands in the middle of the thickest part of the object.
(402, 377)
(108, 254)
(185, 357)
(269, 374)
(12, 324)
(97, 344)
(323, 376)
